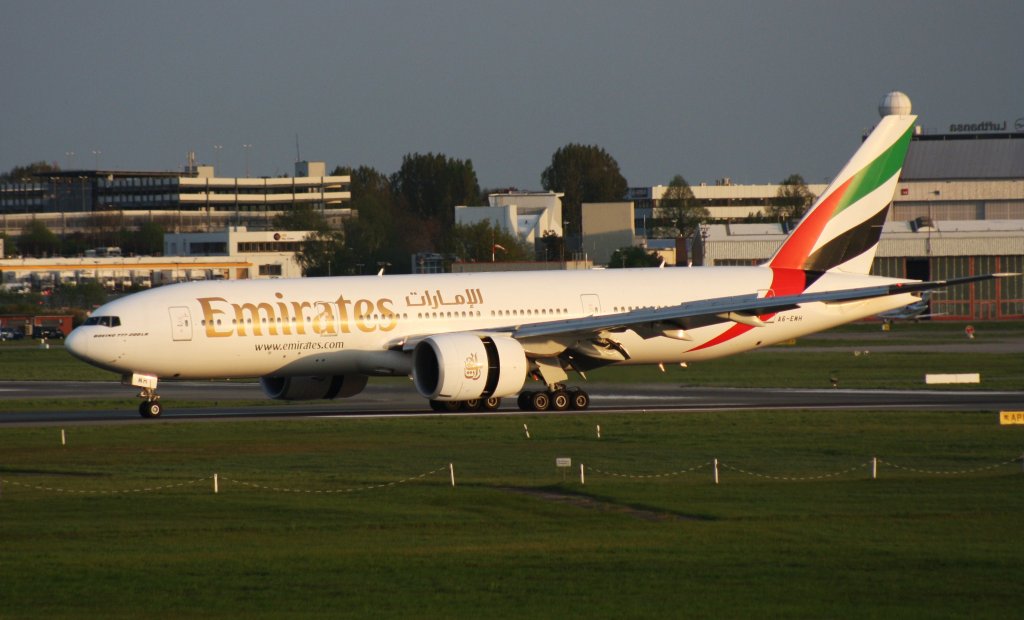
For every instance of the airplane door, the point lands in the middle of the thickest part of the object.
(181, 323)
(591, 304)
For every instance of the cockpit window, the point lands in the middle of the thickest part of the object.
(105, 321)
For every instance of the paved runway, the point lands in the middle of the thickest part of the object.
(393, 398)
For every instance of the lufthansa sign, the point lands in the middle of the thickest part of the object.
(1017, 125)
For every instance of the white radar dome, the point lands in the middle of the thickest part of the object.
(894, 103)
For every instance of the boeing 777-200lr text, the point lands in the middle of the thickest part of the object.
(469, 340)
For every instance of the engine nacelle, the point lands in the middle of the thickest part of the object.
(468, 366)
(313, 388)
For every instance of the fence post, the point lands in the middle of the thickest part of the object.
(451, 471)
(216, 484)
(63, 438)
(716, 471)
(874, 468)
(583, 479)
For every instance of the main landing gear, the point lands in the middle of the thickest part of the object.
(476, 404)
(559, 399)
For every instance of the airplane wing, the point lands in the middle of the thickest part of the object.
(739, 308)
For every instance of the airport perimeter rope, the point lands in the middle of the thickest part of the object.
(834, 474)
(952, 472)
(214, 478)
(716, 464)
(648, 476)
(329, 491)
(867, 465)
(105, 492)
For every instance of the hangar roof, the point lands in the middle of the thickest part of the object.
(973, 156)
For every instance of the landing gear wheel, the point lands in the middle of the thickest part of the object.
(472, 404)
(491, 404)
(523, 401)
(446, 406)
(150, 409)
(540, 401)
(559, 400)
(579, 400)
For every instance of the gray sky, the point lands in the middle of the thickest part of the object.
(749, 90)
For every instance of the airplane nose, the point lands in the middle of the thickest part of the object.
(77, 344)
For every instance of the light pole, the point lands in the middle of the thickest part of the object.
(70, 155)
(96, 156)
(216, 157)
(247, 147)
(704, 233)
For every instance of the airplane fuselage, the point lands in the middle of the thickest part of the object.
(317, 326)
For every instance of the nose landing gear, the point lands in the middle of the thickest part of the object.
(150, 406)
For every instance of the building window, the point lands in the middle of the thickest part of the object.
(253, 247)
(270, 270)
(207, 247)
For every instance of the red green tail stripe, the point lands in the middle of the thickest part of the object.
(800, 242)
(877, 172)
(798, 247)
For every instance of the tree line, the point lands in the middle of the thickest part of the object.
(104, 230)
(412, 211)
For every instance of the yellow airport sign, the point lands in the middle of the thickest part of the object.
(1011, 417)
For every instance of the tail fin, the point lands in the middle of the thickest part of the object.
(842, 227)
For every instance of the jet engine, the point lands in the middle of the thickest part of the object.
(313, 388)
(456, 367)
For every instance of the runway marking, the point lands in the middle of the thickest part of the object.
(647, 397)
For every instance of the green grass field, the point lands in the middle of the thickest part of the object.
(513, 539)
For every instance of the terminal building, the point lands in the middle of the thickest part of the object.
(528, 216)
(231, 254)
(194, 200)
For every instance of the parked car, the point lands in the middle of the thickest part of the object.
(47, 332)
(11, 333)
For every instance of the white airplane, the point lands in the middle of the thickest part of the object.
(912, 312)
(469, 340)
